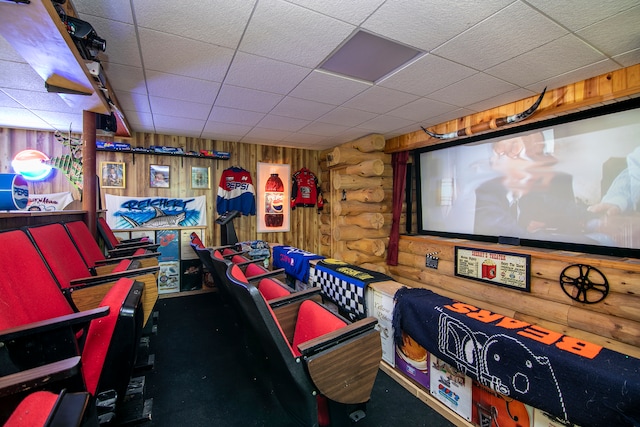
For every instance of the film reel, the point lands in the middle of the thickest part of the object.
(584, 283)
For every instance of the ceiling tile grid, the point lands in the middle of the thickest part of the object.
(249, 71)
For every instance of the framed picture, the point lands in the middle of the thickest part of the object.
(159, 176)
(112, 175)
(200, 177)
(272, 197)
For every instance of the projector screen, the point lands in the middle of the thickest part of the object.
(573, 185)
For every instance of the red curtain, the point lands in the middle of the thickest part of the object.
(399, 163)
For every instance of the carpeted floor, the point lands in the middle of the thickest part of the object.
(202, 377)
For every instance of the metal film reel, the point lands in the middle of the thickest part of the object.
(584, 283)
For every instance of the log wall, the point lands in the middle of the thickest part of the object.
(356, 229)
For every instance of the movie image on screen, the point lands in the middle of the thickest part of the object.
(574, 185)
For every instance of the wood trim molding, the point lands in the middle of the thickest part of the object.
(597, 91)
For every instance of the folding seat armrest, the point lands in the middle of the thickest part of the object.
(130, 249)
(40, 376)
(297, 297)
(331, 339)
(74, 320)
(114, 260)
(112, 277)
(269, 273)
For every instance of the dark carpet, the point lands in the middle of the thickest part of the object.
(203, 377)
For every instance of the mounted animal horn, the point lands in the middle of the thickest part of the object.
(492, 124)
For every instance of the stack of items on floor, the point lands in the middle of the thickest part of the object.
(322, 366)
(494, 370)
(73, 325)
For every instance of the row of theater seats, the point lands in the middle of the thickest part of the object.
(321, 366)
(70, 324)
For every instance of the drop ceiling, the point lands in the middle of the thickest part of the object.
(249, 71)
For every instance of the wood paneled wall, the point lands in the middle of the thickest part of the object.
(304, 221)
(613, 322)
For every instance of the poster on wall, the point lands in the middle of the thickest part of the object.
(49, 202)
(155, 212)
(272, 200)
(507, 269)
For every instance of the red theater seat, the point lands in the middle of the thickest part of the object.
(43, 326)
(322, 367)
(120, 247)
(70, 270)
(44, 408)
(94, 256)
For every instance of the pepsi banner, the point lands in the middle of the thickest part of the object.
(567, 377)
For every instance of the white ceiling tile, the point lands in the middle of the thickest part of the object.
(426, 25)
(353, 12)
(503, 36)
(235, 116)
(27, 78)
(282, 123)
(293, 34)
(117, 10)
(134, 102)
(179, 108)
(427, 75)
(219, 22)
(139, 119)
(471, 90)
(324, 129)
(267, 134)
(180, 87)
(615, 35)
(125, 78)
(7, 101)
(247, 99)
(257, 72)
(300, 139)
(385, 124)
(8, 53)
(502, 99)
(576, 75)
(226, 129)
(328, 88)
(628, 59)
(40, 100)
(346, 117)
(421, 109)
(380, 100)
(173, 54)
(62, 122)
(21, 118)
(556, 57)
(301, 108)
(565, 11)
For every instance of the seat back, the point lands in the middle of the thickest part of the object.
(195, 239)
(84, 241)
(110, 239)
(27, 290)
(59, 252)
(292, 385)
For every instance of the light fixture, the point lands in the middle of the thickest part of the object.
(368, 57)
(32, 165)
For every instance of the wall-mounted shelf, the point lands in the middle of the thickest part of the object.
(156, 153)
(37, 33)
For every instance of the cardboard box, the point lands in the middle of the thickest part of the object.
(168, 241)
(379, 297)
(491, 408)
(451, 387)
(412, 360)
(169, 277)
